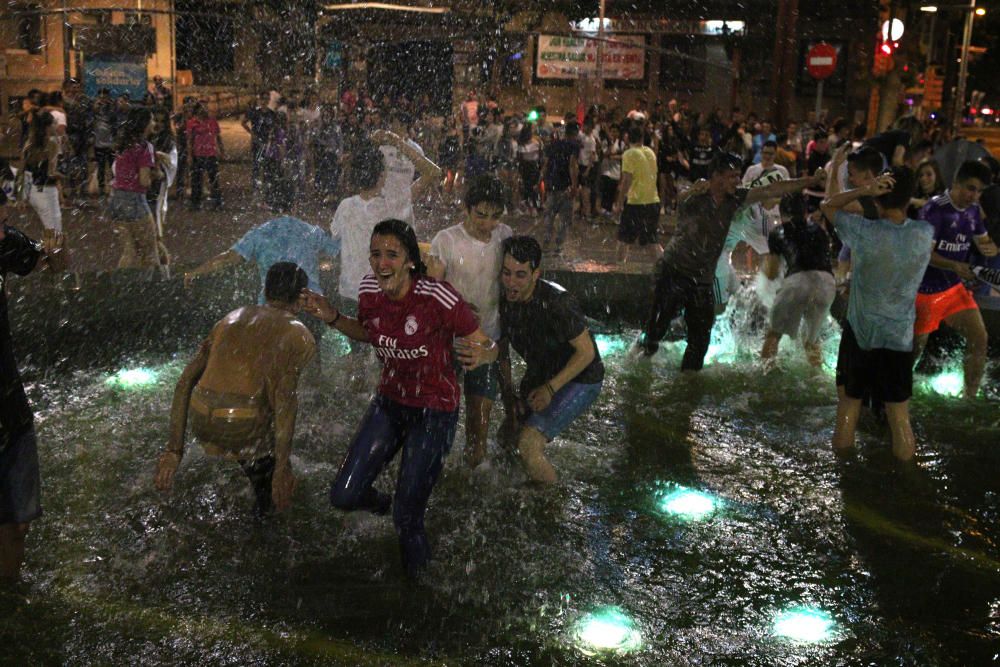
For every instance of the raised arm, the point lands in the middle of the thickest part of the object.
(778, 189)
(880, 185)
(430, 173)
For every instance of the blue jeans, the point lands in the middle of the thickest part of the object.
(425, 436)
(568, 403)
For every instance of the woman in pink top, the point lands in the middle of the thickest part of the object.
(127, 205)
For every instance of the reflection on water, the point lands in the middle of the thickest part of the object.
(903, 562)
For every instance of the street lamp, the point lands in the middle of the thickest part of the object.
(963, 70)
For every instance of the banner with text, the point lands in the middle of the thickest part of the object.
(126, 75)
(576, 58)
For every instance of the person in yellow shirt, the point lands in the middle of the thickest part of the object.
(638, 201)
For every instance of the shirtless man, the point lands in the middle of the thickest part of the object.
(241, 388)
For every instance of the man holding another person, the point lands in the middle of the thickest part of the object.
(564, 374)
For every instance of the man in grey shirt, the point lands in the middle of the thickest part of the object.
(685, 274)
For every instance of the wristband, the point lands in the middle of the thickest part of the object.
(334, 320)
(552, 392)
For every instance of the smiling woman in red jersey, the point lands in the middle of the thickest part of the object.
(417, 326)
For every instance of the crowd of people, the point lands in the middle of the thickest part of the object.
(914, 238)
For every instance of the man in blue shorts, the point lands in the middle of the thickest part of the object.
(19, 478)
(468, 256)
(564, 374)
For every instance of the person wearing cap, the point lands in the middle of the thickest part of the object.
(685, 273)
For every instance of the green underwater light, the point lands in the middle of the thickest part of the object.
(132, 378)
(947, 383)
(609, 345)
(689, 504)
(804, 624)
(607, 630)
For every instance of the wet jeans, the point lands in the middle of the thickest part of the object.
(672, 294)
(425, 436)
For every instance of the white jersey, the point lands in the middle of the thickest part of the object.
(473, 268)
(757, 176)
(399, 172)
(352, 225)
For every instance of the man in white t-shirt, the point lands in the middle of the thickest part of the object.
(403, 158)
(354, 221)
(469, 257)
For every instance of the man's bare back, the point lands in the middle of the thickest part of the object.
(240, 390)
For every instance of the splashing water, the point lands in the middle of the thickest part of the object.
(609, 345)
(804, 624)
(607, 630)
(946, 383)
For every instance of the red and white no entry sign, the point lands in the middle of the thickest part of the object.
(821, 61)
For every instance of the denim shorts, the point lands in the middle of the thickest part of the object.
(20, 485)
(483, 381)
(125, 206)
(569, 403)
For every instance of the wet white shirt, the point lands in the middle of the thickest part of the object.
(352, 225)
(399, 173)
(473, 268)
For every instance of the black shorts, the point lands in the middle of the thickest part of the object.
(885, 375)
(638, 223)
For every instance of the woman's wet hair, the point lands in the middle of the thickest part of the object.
(407, 238)
(366, 166)
(285, 282)
(523, 249)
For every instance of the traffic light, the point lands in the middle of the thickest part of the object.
(883, 58)
(933, 89)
